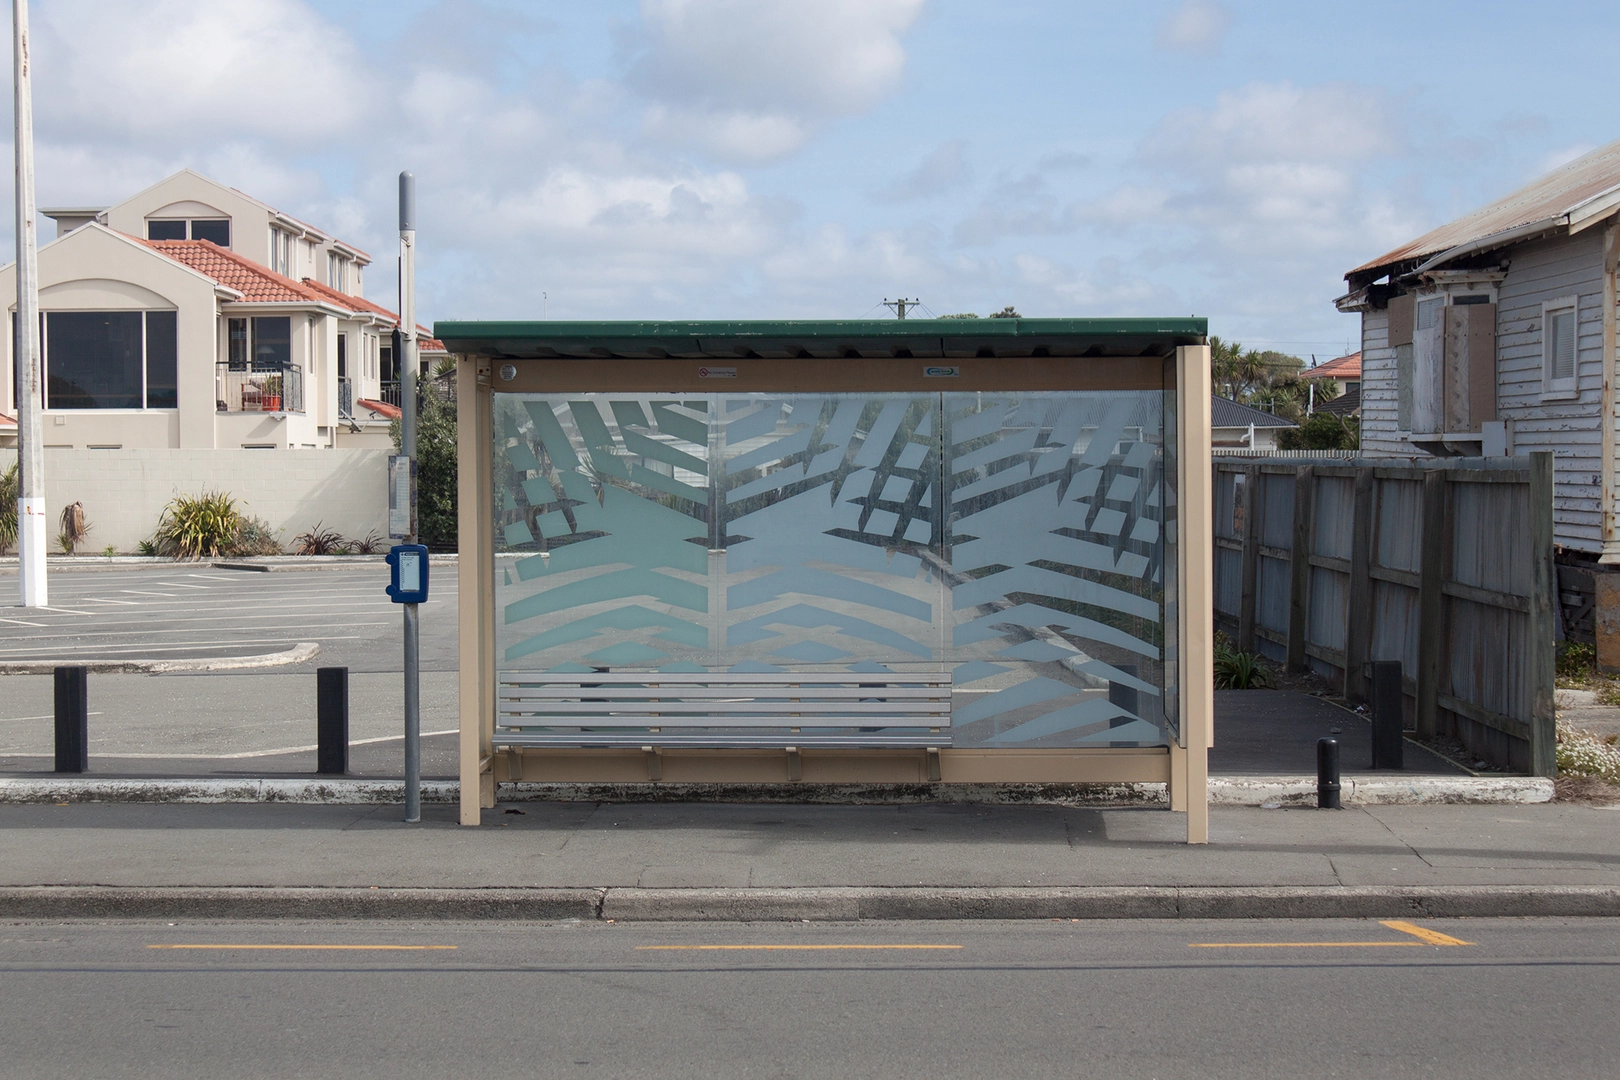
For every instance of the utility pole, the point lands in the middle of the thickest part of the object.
(407, 405)
(899, 306)
(31, 530)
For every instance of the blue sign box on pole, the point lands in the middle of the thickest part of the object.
(408, 574)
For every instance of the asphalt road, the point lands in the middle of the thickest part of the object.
(188, 611)
(1521, 999)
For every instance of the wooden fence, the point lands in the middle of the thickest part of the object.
(1443, 564)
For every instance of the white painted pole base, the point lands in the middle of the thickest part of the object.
(32, 536)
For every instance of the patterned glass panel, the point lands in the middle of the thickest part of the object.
(1015, 540)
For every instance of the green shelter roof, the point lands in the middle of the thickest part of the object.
(817, 339)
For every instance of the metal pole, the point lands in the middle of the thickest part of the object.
(31, 531)
(407, 327)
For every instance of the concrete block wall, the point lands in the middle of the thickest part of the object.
(124, 491)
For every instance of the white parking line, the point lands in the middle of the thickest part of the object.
(23, 622)
(98, 600)
(140, 592)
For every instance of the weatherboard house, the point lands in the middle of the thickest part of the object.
(189, 325)
(1495, 334)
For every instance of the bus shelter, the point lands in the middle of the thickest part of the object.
(897, 551)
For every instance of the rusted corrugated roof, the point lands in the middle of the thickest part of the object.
(1566, 196)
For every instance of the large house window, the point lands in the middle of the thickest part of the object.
(217, 230)
(1558, 345)
(269, 346)
(334, 270)
(111, 360)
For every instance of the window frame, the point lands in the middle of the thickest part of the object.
(1553, 388)
(145, 339)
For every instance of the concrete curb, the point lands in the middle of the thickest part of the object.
(1381, 790)
(819, 904)
(1276, 791)
(304, 650)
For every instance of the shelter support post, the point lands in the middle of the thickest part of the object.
(1196, 618)
(1543, 617)
(475, 611)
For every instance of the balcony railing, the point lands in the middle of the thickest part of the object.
(389, 393)
(345, 398)
(259, 388)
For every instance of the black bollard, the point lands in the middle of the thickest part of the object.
(332, 720)
(1388, 723)
(1327, 774)
(72, 719)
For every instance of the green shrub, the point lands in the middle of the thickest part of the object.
(197, 526)
(9, 485)
(435, 465)
(1238, 670)
(254, 536)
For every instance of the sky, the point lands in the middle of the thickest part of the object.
(691, 159)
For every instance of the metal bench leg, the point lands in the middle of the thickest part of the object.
(933, 764)
(655, 763)
(795, 765)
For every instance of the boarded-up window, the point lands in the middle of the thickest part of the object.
(1428, 375)
(1558, 346)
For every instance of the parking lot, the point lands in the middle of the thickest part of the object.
(193, 611)
(258, 721)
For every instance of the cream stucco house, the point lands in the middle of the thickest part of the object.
(192, 315)
(189, 325)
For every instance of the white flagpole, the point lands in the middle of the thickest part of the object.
(31, 531)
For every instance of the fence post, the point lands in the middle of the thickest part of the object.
(1431, 603)
(1299, 565)
(1358, 613)
(72, 719)
(332, 720)
(1541, 661)
(1251, 557)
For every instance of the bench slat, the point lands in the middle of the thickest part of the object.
(740, 678)
(767, 740)
(724, 708)
(672, 693)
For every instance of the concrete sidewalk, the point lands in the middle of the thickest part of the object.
(742, 861)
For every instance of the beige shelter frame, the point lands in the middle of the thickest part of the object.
(1183, 766)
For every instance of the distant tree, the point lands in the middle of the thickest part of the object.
(961, 315)
(1321, 431)
(1008, 312)
(435, 463)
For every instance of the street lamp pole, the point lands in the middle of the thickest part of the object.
(31, 531)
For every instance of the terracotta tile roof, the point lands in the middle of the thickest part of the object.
(1344, 367)
(256, 284)
(7, 421)
(353, 303)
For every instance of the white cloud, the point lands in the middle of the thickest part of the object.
(179, 72)
(753, 81)
(945, 169)
(1196, 26)
(1560, 157)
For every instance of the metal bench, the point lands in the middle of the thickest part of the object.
(659, 710)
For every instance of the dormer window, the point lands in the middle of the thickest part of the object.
(217, 230)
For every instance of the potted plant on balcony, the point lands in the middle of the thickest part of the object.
(272, 394)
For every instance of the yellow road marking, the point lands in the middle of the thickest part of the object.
(1433, 937)
(378, 948)
(1424, 936)
(780, 948)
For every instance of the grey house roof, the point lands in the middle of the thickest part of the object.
(1225, 413)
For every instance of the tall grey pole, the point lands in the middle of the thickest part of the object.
(413, 641)
(31, 531)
